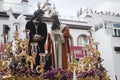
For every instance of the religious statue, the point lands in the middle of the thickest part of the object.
(58, 42)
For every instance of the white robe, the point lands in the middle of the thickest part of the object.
(57, 43)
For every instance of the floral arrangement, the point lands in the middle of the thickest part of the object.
(24, 71)
(19, 71)
(57, 74)
(88, 68)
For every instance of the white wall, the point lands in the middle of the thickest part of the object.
(116, 55)
(74, 32)
(106, 51)
(117, 64)
(6, 22)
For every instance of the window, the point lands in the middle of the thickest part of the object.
(116, 30)
(82, 40)
(98, 26)
(6, 29)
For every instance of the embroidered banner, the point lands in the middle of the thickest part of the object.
(78, 51)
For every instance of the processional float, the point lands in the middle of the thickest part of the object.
(16, 64)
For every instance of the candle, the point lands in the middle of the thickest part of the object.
(72, 56)
(27, 34)
(68, 57)
(34, 47)
(16, 27)
(0, 56)
(26, 31)
(5, 38)
(43, 59)
(85, 52)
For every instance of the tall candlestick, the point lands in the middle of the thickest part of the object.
(16, 27)
(42, 58)
(85, 52)
(4, 37)
(69, 57)
(27, 31)
(0, 56)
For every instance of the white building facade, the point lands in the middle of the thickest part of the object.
(106, 32)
